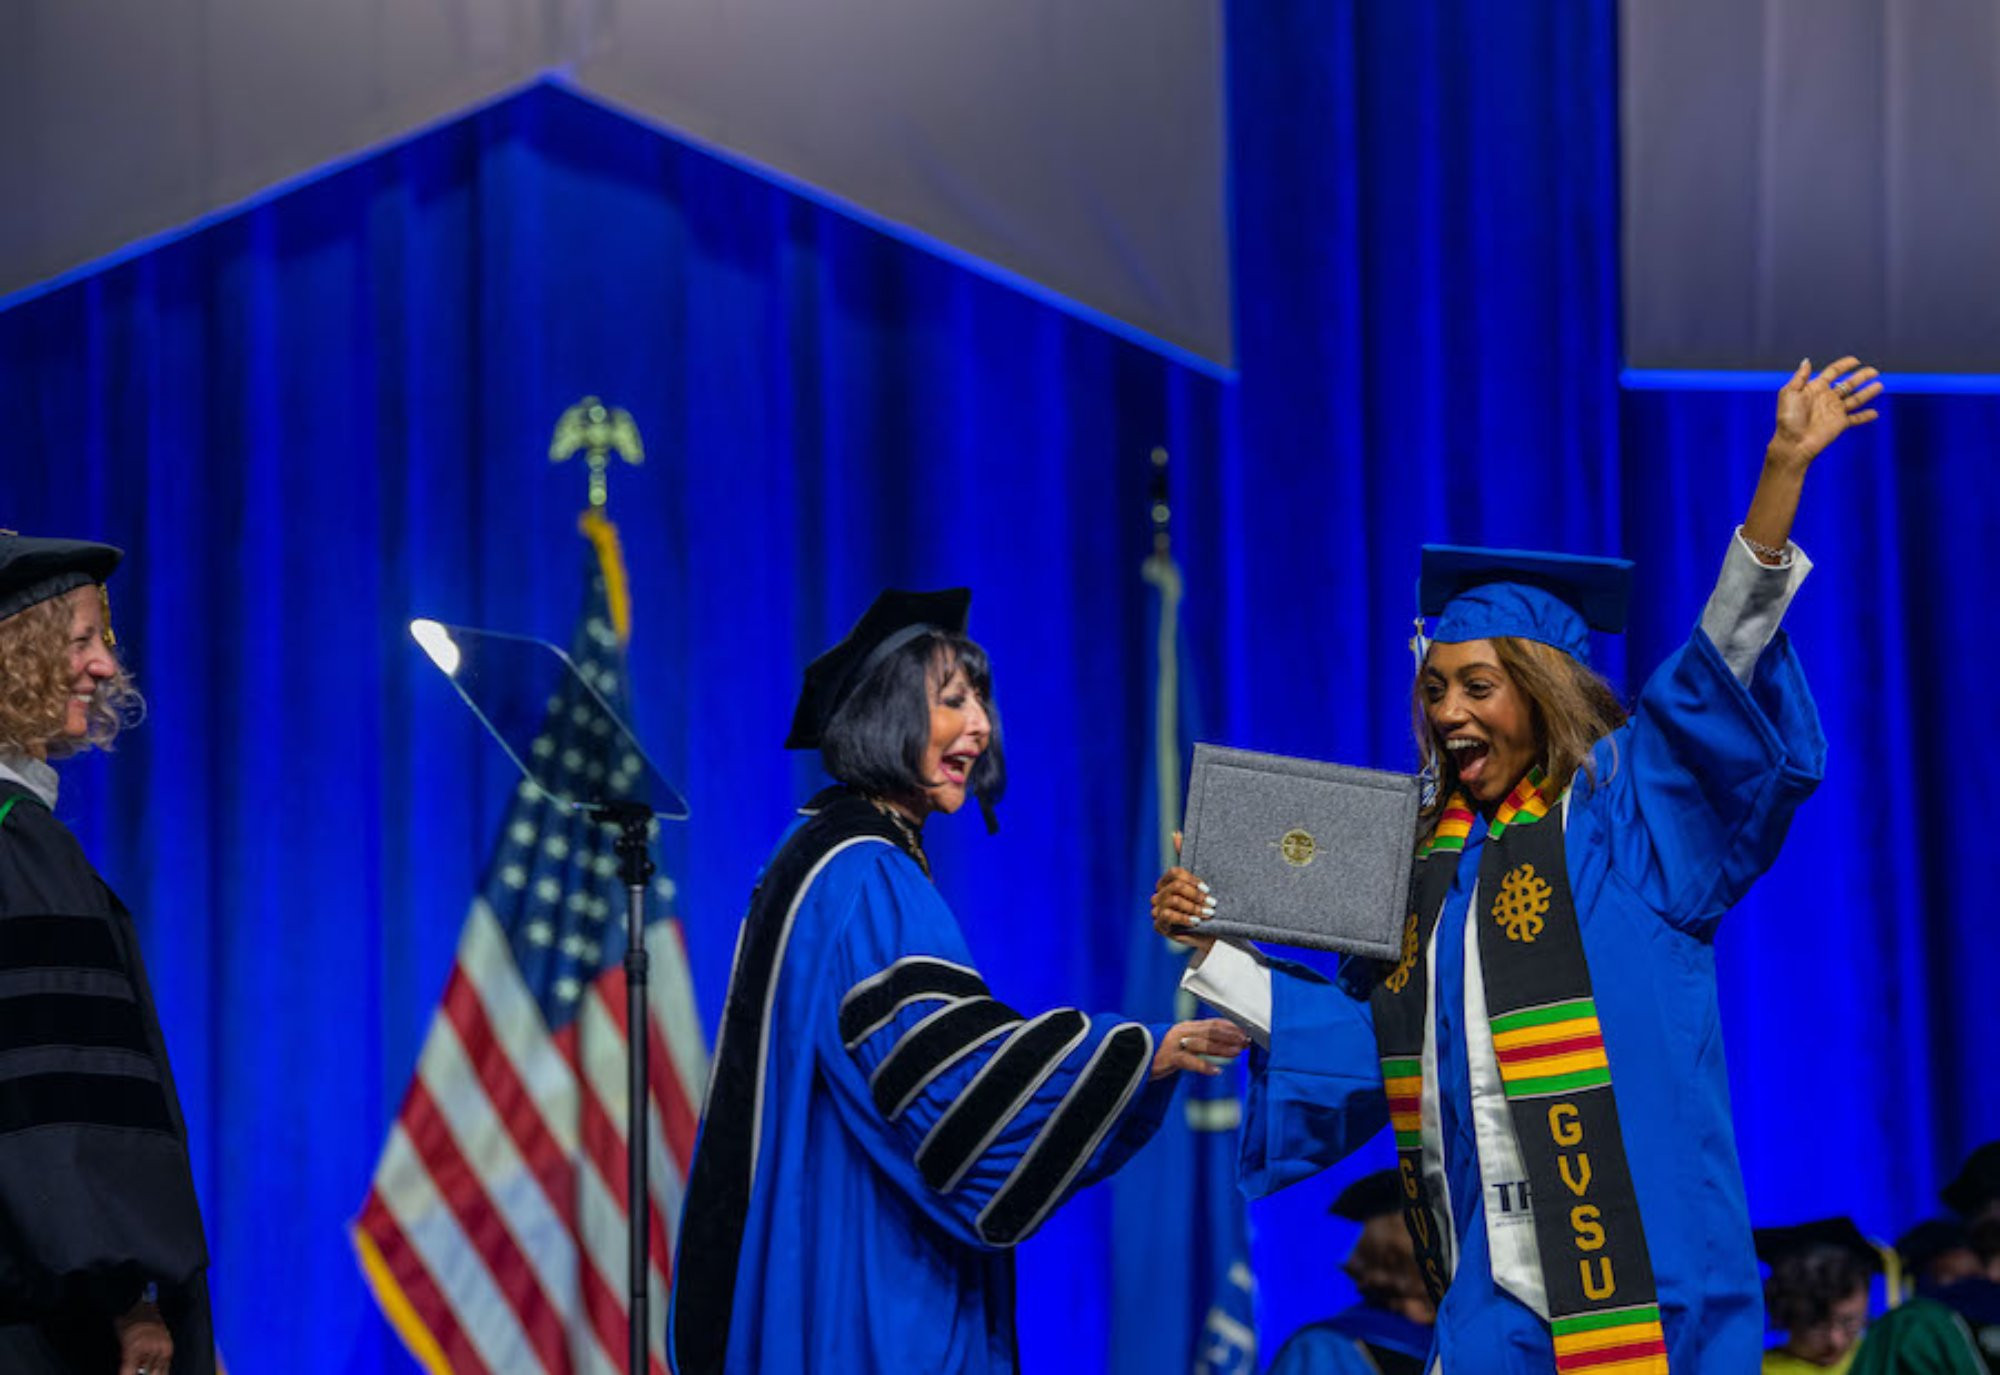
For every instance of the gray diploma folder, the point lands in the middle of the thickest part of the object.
(1301, 853)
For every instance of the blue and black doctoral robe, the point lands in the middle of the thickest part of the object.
(1691, 801)
(96, 1198)
(880, 1130)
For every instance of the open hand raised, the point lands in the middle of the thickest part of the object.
(1814, 409)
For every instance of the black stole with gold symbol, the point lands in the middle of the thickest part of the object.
(1548, 1052)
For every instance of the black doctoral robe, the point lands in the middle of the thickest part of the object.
(96, 1197)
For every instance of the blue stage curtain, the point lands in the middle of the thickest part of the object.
(328, 414)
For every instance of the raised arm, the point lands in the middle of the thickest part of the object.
(1814, 409)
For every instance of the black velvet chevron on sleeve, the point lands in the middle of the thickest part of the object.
(933, 1046)
(96, 1196)
(871, 1004)
(1070, 1137)
(997, 1094)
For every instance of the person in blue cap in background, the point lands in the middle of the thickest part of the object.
(880, 1130)
(1389, 1331)
(1547, 1048)
(102, 1264)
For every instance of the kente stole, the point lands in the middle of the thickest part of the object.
(1550, 1127)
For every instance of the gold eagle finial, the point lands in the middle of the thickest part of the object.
(596, 431)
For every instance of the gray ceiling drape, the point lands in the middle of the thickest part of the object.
(1797, 170)
(1075, 150)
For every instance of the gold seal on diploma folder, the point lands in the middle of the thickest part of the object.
(1299, 852)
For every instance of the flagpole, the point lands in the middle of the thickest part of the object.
(1177, 1199)
(635, 869)
(597, 432)
(1165, 575)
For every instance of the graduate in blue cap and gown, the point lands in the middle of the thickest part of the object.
(1389, 1331)
(880, 1129)
(102, 1263)
(1548, 1049)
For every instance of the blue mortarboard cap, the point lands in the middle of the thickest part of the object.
(1555, 599)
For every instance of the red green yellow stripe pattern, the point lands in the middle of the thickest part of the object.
(1403, 1081)
(1524, 806)
(1621, 1341)
(1452, 828)
(1556, 1048)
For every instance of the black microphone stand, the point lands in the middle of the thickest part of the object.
(635, 869)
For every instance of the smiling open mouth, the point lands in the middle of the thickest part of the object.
(957, 767)
(1466, 753)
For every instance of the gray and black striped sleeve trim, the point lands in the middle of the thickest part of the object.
(1071, 1136)
(874, 1002)
(933, 1046)
(997, 1094)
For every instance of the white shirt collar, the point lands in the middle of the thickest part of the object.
(36, 775)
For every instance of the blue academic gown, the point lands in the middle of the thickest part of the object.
(1340, 1345)
(1692, 800)
(858, 1253)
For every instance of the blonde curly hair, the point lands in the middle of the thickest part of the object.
(35, 678)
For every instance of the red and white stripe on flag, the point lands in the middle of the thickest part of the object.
(494, 1232)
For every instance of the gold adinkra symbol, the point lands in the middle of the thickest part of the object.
(1522, 903)
(1297, 847)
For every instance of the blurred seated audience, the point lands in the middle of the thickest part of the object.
(1817, 1294)
(1937, 1252)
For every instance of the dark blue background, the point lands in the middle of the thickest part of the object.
(321, 417)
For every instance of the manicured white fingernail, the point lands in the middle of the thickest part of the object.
(1208, 903)
(1199, 884)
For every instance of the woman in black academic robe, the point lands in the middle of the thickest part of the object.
(102, 1263)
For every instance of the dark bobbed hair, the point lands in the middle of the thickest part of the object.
(1805, 1285)
(876, 740)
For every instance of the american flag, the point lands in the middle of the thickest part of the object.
(494, 1232)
